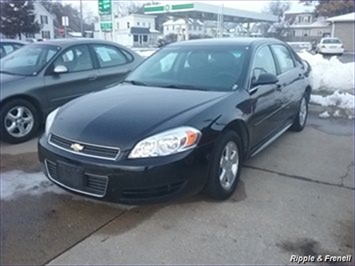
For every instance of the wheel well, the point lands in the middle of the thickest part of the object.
(32, 100)
(308, 92)
(240, 127)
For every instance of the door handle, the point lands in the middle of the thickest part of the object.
(92, 77)
(278, 87)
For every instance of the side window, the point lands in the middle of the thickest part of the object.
(75, 59)
(109, 56)
(263, 63)
(128, 55)
(283, 57)
(8, 48)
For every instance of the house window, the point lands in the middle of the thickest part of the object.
(167, 27)
(299, 19)
(135, 38)
(143, 24)
(44, 19)
(128, 25)
(137, 23)
(199, 28)
(173, 27)
(118, 25)
(145, 38)
(194, 27)
(30, 35)
(46, 34)
(149, 25)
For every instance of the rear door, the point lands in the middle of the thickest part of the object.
(113, 63)
(266, 101)
(291, 81)
(80, 79)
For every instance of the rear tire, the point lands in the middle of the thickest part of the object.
(301, 119)
(225, 166)
(19, 121)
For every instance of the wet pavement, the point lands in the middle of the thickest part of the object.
(296, 197)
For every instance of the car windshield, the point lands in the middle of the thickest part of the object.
(331, 41)
(193, 67)
(28, 60)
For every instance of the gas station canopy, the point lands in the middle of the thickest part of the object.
(203, 11)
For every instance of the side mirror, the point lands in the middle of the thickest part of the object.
(265, 79)
(60, 69)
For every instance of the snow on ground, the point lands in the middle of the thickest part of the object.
(324, 115)
(330, 75)
(341, 100)
(145, 53)
(17, 183)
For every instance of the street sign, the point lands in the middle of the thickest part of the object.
(65, 21)
(106, 26)
(105, 7)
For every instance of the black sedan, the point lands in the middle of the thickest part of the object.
(181, 122)
(40, 77)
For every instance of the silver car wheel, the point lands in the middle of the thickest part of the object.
(303, 111)
(19, 121)
(229, 164)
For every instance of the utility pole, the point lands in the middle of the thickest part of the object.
(81, 18)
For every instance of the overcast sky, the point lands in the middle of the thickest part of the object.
(251, 5)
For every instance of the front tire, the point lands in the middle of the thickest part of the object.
(19, 121)
(300, 120)
(225, 166)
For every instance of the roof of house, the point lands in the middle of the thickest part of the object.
(44, 9)
(139, 30)
(316, 24)
(346, 17)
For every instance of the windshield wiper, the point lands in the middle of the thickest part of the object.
(10, 73)
(134, 82)
(182, 86)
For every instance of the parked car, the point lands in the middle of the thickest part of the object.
(181, 122)
(42, 76)
(301, 46)
(330, 46)
(7, 46)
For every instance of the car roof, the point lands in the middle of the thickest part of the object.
(226, 41)
(75, 41)
(13, 41)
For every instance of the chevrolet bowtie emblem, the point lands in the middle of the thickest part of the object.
(77, 147)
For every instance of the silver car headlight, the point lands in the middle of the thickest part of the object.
(166, 143)
(50, 119)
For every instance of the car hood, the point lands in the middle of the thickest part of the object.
(6, 78)
(123, 115)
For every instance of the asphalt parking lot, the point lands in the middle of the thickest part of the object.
(294, 198)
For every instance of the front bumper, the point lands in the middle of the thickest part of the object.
(127, 181)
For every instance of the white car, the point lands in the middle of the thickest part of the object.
(330, 46)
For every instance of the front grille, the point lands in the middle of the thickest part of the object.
(153, 192)
(89, 150)
(94, 185)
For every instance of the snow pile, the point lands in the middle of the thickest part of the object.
(145, 53)
(324, 115)
(337, 99)
(17, 183)
(330, 75)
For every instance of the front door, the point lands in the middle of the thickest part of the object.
(80, 79)
(265, 99)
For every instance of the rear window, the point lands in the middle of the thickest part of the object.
(331, 41)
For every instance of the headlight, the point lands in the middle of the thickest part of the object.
(50, 119)
(166, 143)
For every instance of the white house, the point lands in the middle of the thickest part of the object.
(179, 27)
(135, 30)
(45, 19)
(307, 24)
